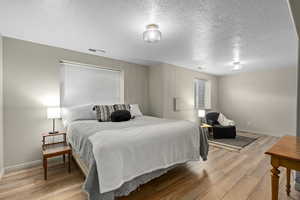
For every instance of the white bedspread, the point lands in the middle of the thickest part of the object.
(123, 154)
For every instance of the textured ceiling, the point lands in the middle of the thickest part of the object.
(206, 33)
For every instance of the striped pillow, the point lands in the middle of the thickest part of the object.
(122, 107)
(103, 112)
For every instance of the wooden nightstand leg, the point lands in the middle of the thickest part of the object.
(288, 181)
(69, 155)
(45, 168)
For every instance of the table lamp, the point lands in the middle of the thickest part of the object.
(201, 115)
(53, 113)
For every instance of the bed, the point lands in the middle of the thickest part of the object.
(117, 157)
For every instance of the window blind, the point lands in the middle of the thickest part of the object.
(202, 94)
(82, 84)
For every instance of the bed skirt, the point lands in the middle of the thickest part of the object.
(125, 189)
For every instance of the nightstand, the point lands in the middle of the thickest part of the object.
(55, 149)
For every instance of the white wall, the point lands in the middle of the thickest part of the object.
(156, 92)
(31, 83)
(167, 82)
(261, 101)
(1, 108)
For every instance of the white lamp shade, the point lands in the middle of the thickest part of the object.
(201, 113)
(53, 113)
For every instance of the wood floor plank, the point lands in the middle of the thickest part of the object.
(226, 175)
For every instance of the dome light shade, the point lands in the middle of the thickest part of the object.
(152, 33)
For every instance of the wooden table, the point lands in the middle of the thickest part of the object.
(285, 153)
(53, 149)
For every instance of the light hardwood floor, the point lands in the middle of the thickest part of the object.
(227, 175)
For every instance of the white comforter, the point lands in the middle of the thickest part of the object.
(123, 154)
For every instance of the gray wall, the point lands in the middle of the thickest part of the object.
(1, 108)
(261, 101)
(156, 95)
(31, 83)
(168, 81)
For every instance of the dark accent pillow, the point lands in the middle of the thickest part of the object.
(120, 116)
(103, 112)
(122, 107)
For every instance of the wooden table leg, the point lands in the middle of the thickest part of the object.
(275, 182)
(69, 155)
(288, 181)
(45, 168)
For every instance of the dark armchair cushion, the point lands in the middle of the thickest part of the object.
(212, 118)
(120, 116)
(224, 132)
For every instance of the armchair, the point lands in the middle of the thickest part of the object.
(218, 130)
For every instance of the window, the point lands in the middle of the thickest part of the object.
(85, 84)
(202, 94)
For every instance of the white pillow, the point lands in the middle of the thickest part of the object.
(82, 112)
(224, 121)
(135, 110)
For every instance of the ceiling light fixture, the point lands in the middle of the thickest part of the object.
(236, 66)
(152, 33)
(201, 68)
(97, 50)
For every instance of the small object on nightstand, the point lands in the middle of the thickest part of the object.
(55, 149)
(203, 125)
(205, 128)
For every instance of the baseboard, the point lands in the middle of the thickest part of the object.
(264, 133)
(21, 166)
(255, 132)
(27, 165)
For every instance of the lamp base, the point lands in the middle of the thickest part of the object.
(53, 132)
(53, 128)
